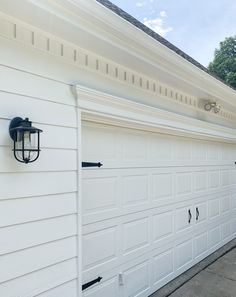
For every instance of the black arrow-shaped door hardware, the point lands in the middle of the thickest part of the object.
(89, 284)
(91, 164)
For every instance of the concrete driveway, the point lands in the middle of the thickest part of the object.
(214, 276)
(217, 280)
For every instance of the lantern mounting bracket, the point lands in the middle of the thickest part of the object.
(14, 123)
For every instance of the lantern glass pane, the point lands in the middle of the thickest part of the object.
(25, 149)
(33, 138)
(19, 143)
(31, 144)
(19, 136)
(27, 145)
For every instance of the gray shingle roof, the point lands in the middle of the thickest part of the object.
(156, 36)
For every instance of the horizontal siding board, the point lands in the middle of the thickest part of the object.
(38, 111)
(58, 137)
(52, 136)
(38, 202)
(18, 211)
(4, 128)
(68, 289)
(35, 258)
(34, 86)
(49, 160)
(35, 283)
(23, 236)
(17, 185)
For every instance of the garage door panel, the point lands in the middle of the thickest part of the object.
(233, 175)
(123, 239)
(160, 148)
(135, 145)
(100, 194)
(214, 237)
(137, 280)
(136, 229)
(136, 189)
(163, 226)
(225, 177)
(122, 146)
(213, 151)
(116, 241)
(162, 186)
(200, 244)
(183, 218)
(226, 151)
(200, 181)
(214, 208)
(106, 288)
(100, 247)
(182, 149)
(136, 235)
(200, 213)
(226, 231)
(214, 179)
(233, 226)
(233, 200)
(225, 204)
(112, 192)
(183, 183)
(184, 254)
(199, 150)
(106, 143)
(163, 266)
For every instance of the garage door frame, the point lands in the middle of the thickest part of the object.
(100, 107)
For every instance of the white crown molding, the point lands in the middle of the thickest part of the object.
(110, 28)
(33, 37)
(105, 108)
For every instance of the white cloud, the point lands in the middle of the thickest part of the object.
(140, 4)
(157, 26)
(163, 14)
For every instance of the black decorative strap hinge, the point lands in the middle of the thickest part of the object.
(89, 284)
(91, 164)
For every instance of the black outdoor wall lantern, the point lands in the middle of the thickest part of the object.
(26, 140)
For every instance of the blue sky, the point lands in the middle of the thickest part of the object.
(195, 26)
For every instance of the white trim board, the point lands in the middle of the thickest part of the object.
(102, 107)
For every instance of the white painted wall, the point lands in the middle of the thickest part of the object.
(38, 201)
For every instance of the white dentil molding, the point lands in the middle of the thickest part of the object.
(109, 26)
(33, 37)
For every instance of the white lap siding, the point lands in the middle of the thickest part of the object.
(135, 228)
(38, 207)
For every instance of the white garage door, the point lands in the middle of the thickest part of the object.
(158, 205)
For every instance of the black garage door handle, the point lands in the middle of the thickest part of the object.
(189, 216)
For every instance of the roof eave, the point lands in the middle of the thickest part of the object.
(96, 22)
